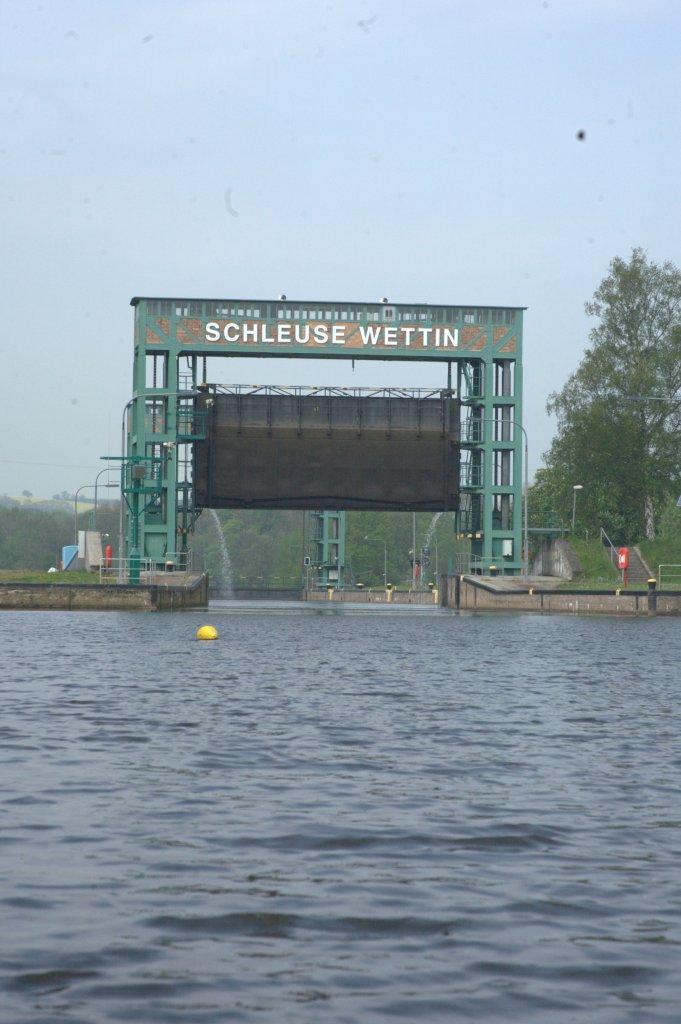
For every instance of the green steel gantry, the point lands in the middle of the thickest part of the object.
(174, 338)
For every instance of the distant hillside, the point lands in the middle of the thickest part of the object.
(57, 503)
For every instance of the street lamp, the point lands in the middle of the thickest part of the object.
(575, 488)
(75, 511)
(378, 540)
(75, 503)
(107, 469)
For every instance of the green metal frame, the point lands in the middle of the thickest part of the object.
(174, 337)
(325, 549)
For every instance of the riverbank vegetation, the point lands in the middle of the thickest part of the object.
(615, 460)
(266, 549)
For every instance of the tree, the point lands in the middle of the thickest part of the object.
(619, 414)
(32, 539)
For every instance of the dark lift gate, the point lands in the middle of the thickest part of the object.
(317, 448)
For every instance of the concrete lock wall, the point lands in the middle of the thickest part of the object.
(556, 558)
(473, 594)
(377, 596)
(104, 597)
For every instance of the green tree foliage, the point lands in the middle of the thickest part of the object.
(266, 548)
(618, 415)
(670, 520)
(31, 539)
(367, 532)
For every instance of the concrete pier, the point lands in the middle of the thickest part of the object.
(165, 593)
(527, 594)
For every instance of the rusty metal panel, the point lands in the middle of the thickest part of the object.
(324, 451)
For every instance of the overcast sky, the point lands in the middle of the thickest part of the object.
(426, 151)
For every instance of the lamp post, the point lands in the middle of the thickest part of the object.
(75, 503)
(75, 511)
(378, 540)
(121, 513)
(107, 469)
(575, 488)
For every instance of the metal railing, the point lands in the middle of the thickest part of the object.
(327, 391)
(117, 570)
(471, 475)
(666, 578)
(547, 522)
(613, 549)
(468, 564)
(179, 561)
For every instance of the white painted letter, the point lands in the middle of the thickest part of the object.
(369, 334)
(212, 331)
(446, 338)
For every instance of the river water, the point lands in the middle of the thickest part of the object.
(330, 815)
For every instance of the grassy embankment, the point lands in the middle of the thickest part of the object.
(36, 576)
(597, 571)
(599, 574)
(665, 552)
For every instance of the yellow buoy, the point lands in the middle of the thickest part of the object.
(206, 633)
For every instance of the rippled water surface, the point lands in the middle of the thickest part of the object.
(337, 816)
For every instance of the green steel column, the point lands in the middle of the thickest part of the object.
(156, 524)
(326, 547)
(520, 528)
(170, 494)
(487, 550)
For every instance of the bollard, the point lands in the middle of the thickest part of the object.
(388, 592)
(652, 596)
(329, 591)
(492, 570)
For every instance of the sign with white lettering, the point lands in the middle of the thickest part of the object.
(350, 330)
(315, 333)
